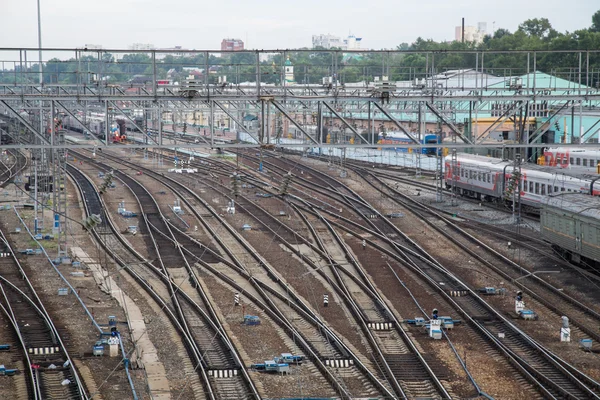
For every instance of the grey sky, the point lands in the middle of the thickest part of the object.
(268, 24)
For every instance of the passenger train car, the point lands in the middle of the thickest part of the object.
(571, 223)
(397, 137)
(96, 124)
(576, 158)
(493, 179)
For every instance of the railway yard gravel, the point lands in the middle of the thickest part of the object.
(259, 343)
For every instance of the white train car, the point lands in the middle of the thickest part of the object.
(582, 159)
(493, 179)
(95, 124)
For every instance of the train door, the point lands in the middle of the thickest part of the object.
(578, 238)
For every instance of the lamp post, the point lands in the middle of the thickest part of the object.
(40, 40)
(35, 203)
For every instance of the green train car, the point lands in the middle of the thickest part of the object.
(571, 223)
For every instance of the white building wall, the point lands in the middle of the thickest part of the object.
(472, 33)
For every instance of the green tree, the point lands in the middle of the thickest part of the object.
(596, 22)
(538, 27)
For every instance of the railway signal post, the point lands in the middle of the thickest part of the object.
(565, 331)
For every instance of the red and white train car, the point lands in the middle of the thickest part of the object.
(584, 159)
(493, 179)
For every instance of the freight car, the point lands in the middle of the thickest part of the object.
(571, 223)
(493, 179)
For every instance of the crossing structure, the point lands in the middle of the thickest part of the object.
(292, 99)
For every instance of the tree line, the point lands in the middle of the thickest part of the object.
(424, 56)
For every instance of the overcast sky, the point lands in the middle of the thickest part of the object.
(268, 24)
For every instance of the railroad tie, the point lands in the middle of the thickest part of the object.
(380, 326)
(222, 373)
(38, 351)
(457, 293)
(339, 363)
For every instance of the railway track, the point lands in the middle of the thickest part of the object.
(399, 357)
(537, 373)
(49, 369)
(206, 340)
(9, 171)
(558, 377)
(315, 338)
(418, 379)
(555, 299)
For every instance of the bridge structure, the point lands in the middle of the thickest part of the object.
(312, 101)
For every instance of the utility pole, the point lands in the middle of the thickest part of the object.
(40, 152)
(516, 177)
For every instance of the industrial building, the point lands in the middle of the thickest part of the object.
(232, 44)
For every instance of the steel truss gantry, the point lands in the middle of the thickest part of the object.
(334, 114)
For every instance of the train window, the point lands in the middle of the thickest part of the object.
(543, 193)
(562, 189)
(530, 187)
(537, 188)
(558, 159)
(470, 174)
(489, 176)
(525, 185)
(592, 163)
(584, 162)
(571, 161)
(479, 176)
(578, 161)
(556, 188)
(549, 189)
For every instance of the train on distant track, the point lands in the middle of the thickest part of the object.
(576, 158)
(96, 123)
(571, 223)
(400, 138)
(494, 179)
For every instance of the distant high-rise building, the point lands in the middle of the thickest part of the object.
(141, 46)
(472, 33)
(482, 26)
(232, 44)
(330, 41)
(352, 43)
(326, 41)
